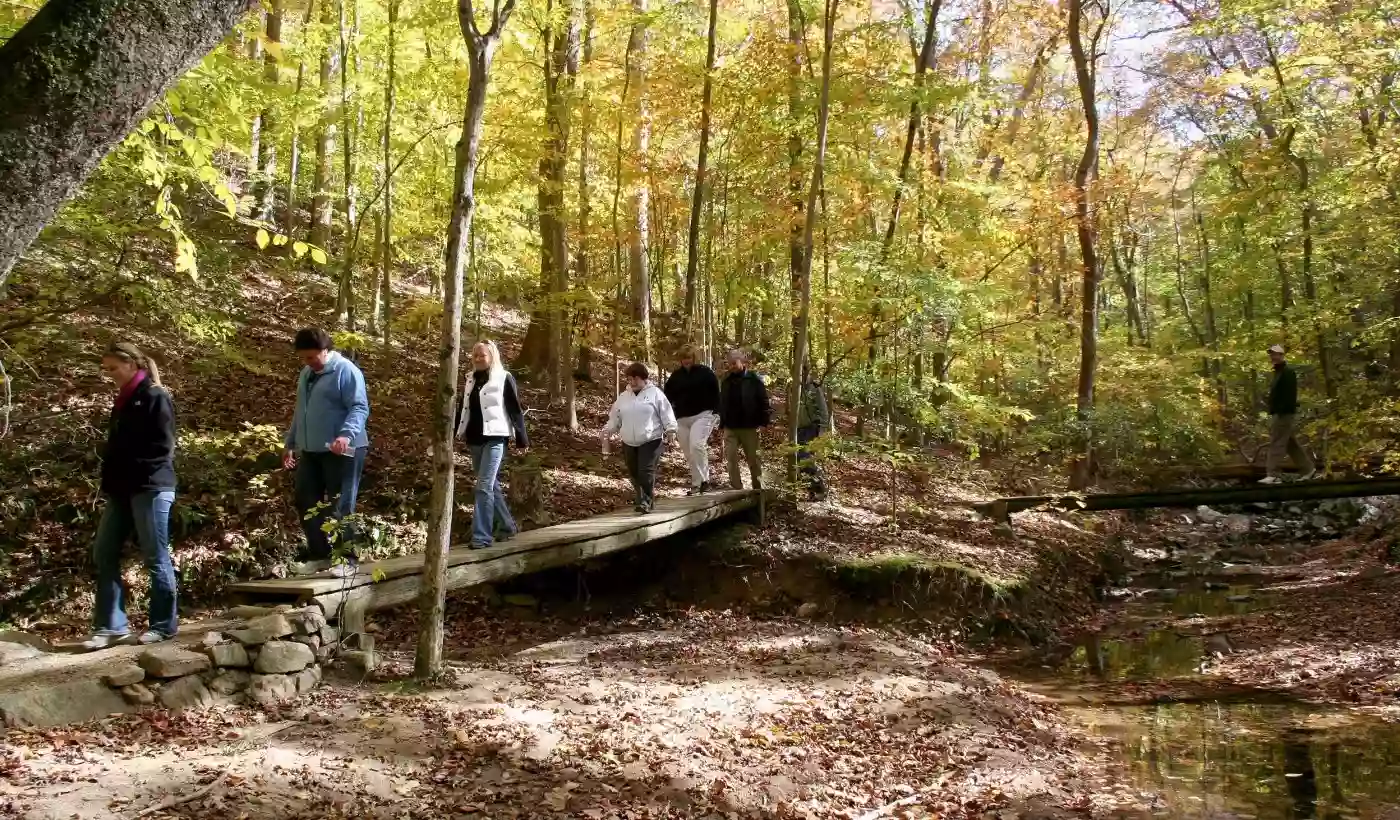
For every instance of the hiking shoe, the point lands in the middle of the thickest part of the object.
(1273, 479)
(151, 636)
(694, 491)
(706, 487)
(308, 567)
(103, 638)
(1308, 476)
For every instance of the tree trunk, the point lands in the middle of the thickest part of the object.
(345, 302)
(543, 349)
(325, 145)
(1023, 100)
(78, 77)
(481, 48)
(638, 265)
(797, 46)
(385, 313)
(802, 285)
(1084, 175)
(265, 189)
(292, 219)
(697, 200)
(574, 363)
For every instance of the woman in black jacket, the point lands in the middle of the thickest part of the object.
(138, 478)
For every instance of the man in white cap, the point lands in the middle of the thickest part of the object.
(1283, 422)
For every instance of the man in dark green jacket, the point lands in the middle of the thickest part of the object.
(1283, 422)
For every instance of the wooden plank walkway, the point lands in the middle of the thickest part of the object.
(396, 581)
(1001, 509)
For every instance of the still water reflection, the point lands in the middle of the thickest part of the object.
(1248, 757)
(1239, 760)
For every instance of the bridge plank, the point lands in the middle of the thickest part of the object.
(610, 525)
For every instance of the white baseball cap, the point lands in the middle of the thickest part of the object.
(1276, 349)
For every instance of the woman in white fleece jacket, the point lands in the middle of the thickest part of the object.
(643, 416)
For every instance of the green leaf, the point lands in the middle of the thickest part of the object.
(318, 256)
(263, 238)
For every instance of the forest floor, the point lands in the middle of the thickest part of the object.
(828, 665)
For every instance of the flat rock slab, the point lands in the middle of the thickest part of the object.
(282, 657)
(11, 653)
(124, 675)
(172, 662)
(228, 654)
(74, 701)
(27, 638)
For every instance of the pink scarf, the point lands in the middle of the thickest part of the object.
(128, 389)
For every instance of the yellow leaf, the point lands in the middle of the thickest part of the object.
(300, 249)
(318, 256)
(263, 238)
(279, 240)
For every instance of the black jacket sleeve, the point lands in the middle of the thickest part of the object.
(515, 413)
(710, 387)
(765, 408)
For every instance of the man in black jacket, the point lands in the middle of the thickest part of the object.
(693, 390)
(743, 410)
(1283, 422)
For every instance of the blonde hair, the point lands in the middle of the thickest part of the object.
(128, 352)
(496, 363)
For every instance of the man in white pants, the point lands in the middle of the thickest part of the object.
(693, 390)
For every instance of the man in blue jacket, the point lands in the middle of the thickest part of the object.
(326, 445)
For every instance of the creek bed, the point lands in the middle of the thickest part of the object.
(1205, 750)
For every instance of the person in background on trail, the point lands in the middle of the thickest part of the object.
(326, 445)
(643, 416)
(693, 390)
(743, 409)
(812, 417)
(1283, 422)
(491, 416)
(138, 479)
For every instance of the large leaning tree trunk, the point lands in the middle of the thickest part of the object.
(1085, 74)
(481, 47)
(74, 82)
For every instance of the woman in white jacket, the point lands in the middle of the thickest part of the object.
(643, 416)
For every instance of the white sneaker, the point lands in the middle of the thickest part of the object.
(1273, 479)
(151, 636)
(307, 567)
(344, 569)
(104, 638)
(1308, 476)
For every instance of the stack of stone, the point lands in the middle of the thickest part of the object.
(275, 655)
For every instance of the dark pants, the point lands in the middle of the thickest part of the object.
(641, 468)
(807, 462)
(146, 516)
(326, 487)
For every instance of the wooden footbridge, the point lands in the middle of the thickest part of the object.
(396, 581)
(1001, 509)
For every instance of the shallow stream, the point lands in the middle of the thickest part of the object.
(1206, 752)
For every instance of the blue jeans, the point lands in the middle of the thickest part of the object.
(491, 514)
(328, 484)
(147, 516)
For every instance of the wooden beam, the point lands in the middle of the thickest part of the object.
(305, 588)
(1001, 509)
(357, 600)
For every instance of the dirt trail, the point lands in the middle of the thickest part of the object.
(702, 715)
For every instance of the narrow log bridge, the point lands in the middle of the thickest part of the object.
(1001, 509)
(396, 581)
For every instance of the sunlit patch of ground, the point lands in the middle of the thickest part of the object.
(703, 716)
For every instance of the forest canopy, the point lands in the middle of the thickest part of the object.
(1037, 226)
